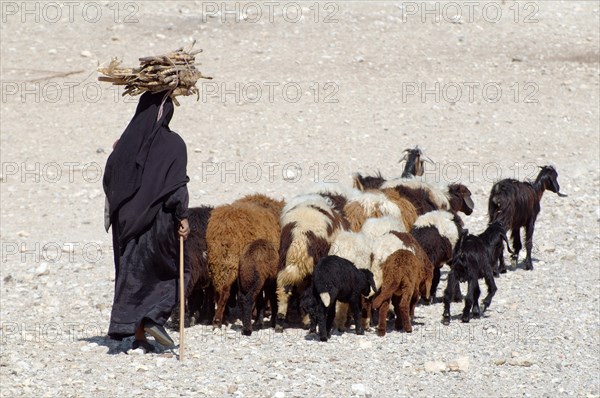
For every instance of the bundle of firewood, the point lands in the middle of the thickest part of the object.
(174, 71)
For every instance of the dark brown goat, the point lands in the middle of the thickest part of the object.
(199, 291)
(516, 204)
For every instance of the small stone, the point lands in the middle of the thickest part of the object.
(520, 362)
(52, 51)
(137, 351)
(500, 361)
(86, 54)
(459, 365)
(359, 389)
(231, 389)
(435, 366)
(160, 36)
(42, 269)
(23, 234)
(279, 394)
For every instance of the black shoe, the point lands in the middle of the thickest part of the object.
(159, 333)
(144, 345)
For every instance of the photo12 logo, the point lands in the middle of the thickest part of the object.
(469, 92)
(469, 11)
(270, 11)
(69, 11)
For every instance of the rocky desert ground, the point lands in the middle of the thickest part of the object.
(304, 93)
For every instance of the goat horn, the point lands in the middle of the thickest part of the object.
(427, 158)
(405, 157)
(562, 195)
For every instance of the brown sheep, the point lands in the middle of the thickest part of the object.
(230, 230)
(406, 276)
(257, 274)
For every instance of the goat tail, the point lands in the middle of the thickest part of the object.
(505, 239)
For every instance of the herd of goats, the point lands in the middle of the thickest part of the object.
(342, 253)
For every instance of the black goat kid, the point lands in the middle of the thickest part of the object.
(472, 260)
(337, 279)
(516, 204)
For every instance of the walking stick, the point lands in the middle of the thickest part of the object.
(181, 299)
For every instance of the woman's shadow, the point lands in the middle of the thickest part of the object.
(115, 347)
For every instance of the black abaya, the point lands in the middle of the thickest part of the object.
(147, 197)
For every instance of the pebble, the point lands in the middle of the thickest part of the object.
(86, 54)
(360, 390)
(459, 365)
(435, 366)
(42, 269)
(520, 362)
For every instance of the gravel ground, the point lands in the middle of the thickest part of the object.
(348, 94)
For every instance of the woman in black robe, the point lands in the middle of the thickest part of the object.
(147, 202)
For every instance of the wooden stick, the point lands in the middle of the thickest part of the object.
(181, 299)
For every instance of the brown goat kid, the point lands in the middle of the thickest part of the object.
(257, 275)
(407, 276)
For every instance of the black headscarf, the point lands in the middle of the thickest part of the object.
(147, 164)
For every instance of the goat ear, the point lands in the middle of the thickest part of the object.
(468, 202)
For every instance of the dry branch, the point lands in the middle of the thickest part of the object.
(174, 71)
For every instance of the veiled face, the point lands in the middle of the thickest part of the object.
(168, 110)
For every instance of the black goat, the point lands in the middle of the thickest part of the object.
(415, 159)
(199, 291)
(335, 278)
(472, 260)
(414, 162)
(516, 204)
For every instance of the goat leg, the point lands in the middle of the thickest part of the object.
(529, 243)
(405, 321)
(516, 236)
(476, 293)
(366, 314)
(434, 283)
(355, 307)
(260, 310)
(283, 296)
(383, 309)
(457, 297)
(466, 316)
(396, 306)
(491, 288)
(330, 318)
(322, 321)
(448, 294)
